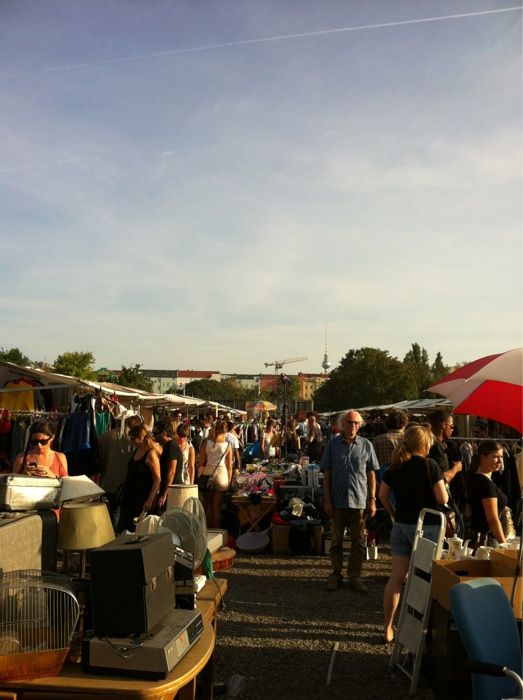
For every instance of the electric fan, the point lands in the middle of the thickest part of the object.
(188, 527)
(38, 616)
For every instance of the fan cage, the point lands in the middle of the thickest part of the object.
(189, 530)
(38, 616)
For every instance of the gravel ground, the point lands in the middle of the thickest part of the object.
(280, 624)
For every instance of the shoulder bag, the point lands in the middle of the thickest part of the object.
(206, 481)
(451, 519)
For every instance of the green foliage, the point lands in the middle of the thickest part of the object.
(438, 369)
(133, 377)
(207, 389)
(418, 360)
(368, 376)
(76, 364)
(276, 393)
(212, 390)
(14, 355)
(230, 390)
(105, 375)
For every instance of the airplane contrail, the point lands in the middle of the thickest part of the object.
(260, 40)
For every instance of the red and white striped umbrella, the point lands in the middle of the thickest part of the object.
(491, 387)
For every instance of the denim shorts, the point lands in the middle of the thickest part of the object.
(402, 537)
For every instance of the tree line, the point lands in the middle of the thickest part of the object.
(81, 365)
(372, 377)
(364, 377)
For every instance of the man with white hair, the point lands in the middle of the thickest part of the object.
(349, 466)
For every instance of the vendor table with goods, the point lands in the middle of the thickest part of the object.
(72, 682)
(272, 479)
(271, 498)
(251, 514)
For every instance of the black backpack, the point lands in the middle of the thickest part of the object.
(301, 537)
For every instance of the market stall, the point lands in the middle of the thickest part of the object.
(79, 409)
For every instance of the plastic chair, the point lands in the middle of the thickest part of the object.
(488, 629)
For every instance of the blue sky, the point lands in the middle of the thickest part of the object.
(208, 185)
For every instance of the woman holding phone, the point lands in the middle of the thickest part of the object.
(40, 459)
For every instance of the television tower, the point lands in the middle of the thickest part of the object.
(326, 364)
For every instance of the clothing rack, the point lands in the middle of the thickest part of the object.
(478, 439)
(32, 414)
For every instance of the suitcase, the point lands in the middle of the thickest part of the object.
(23, 492)
(132, 580)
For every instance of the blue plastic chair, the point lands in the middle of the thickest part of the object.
(488, 629)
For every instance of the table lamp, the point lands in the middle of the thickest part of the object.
(83, 526)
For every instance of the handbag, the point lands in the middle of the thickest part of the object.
(451, 520)
(507, 523)
(448, 509)
(206, 481)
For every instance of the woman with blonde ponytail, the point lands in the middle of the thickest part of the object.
(417, 483)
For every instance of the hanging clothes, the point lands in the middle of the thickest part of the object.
(18, 400)
(76, 434)
(102, 422)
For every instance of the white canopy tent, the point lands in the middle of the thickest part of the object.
(408, 406)
(128, 396)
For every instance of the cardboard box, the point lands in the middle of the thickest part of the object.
(508, 557)
(447, 573)
(280, 539)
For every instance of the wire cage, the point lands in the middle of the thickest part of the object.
(38, 615)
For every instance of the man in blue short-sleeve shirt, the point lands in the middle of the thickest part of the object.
(349, 466)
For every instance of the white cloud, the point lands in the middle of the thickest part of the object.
(219, 209)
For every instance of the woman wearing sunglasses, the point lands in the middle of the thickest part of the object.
(39, 459)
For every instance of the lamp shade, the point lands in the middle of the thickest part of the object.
(177, 494)
(84, 526)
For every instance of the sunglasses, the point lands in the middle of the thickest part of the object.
(40, 442)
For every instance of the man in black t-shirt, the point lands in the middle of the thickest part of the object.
(442, 426)
(171, 460)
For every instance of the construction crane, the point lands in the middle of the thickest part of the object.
(278, 364)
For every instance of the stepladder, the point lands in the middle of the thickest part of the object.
(416, 601)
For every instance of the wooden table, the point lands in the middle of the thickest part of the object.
(72, 682)
(209, 599)
(252, 514)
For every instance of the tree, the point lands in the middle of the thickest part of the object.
(207, 389)
(438, 369)
(225, 391)
(426, 374)
(418, 359)
(365, 377)
(276, 392)
(106, 375)
(133, 377)
(76, 364)
(14, 355)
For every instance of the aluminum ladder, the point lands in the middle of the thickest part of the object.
(415, 607)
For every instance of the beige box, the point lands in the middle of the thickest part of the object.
(447, 573)
(280, 538)
(507, 557)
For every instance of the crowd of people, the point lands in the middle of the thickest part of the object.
(410, 466)
(394, 467)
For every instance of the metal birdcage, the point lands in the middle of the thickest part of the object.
(38, 615)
